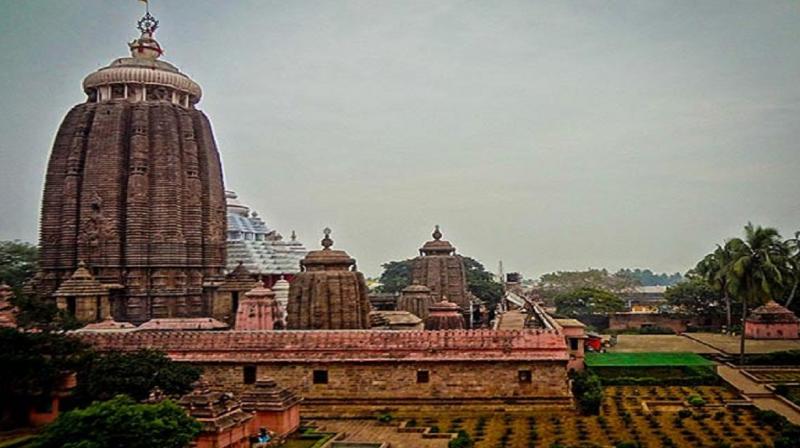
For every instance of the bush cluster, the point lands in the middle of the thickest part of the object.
(588, 390)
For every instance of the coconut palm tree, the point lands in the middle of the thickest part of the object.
(757, 270)
(794, 263)
(714, 268)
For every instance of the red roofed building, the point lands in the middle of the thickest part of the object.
(771, 321)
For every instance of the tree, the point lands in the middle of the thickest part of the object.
(556, 283)
(17, 263)
(133, 374)
(585, 301)
(714, 268)
(793, 244)
(481, 283)
(33, 365)
(396, 276)
(121, 423)
(646, 277)
(758, 269)
(694, 298)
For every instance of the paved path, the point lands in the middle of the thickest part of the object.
(370, 431)
(762, 397)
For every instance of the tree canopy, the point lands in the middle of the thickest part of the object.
(121, 422)
(33, 364)
(646, 277)
(561, 282)
(397, 275)
(17, 262)
(586, 301)
(695, 298)
(133, 374)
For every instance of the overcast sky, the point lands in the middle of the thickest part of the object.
(551, 135)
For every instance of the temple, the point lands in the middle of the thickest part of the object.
(140, 240)
(329, 293)
(261, 249)
(134, 190)
(440, 269)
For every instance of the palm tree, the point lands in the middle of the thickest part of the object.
(757, 268)
(794, 264)
(714, 268)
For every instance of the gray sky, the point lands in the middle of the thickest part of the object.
(551, 135)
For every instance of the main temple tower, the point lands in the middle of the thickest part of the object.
(134, 190)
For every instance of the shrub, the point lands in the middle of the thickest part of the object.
(385, 417)
(770, 418)
(121, 422)
(684, 413)
(462, 440)
(588, 391)
(411, 423)
(696, 401)
(628, 445)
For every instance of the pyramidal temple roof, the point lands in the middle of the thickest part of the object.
(261, 249)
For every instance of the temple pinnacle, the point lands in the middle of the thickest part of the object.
(327, 242)
(437, 234)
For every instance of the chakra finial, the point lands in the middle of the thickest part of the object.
(146, 47)
(294, 235)
(147, 24)
(327, 242)
(437, 234)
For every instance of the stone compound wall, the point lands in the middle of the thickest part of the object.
(386, 383)
(370, 368)
(629, 321)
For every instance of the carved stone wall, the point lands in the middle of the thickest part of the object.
(135, 191)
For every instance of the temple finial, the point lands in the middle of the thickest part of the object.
(294, 235)
(146, 47)
(327, 242)
(437, 234)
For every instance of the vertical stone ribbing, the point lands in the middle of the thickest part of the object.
(101, 200)
(213, 199)
(52, 203)
(70, 206)
(135, 191)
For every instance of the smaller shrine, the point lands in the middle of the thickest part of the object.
(82, 296)
(416, 299)
(226, 302)
(771, 321)
(329, 293)
(258, 310)
(276, 409)
(439, 268)
(444, 315)
(224, 423)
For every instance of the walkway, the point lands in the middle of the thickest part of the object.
(762, 397)
(372, 431)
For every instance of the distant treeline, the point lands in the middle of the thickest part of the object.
(646, 277)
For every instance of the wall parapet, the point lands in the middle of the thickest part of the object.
(341, 345)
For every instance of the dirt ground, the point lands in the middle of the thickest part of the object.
(658, 343)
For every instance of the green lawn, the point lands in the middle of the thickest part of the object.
(646, 359)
